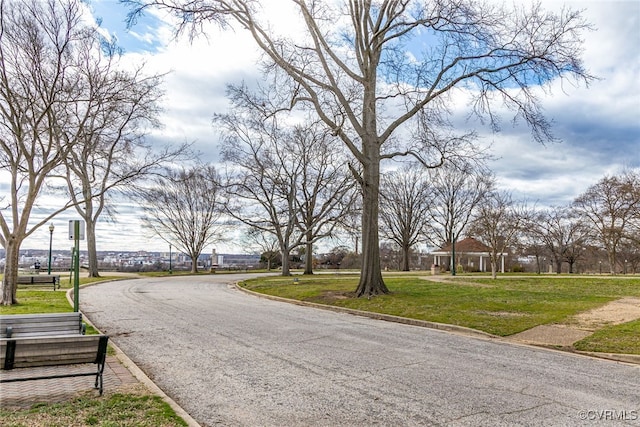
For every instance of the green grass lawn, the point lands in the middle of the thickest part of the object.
(624, 338)
(45, 300)
(118, 409)
(502, 307)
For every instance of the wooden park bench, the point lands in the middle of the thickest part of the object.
(38, 325)
(36, 340)
(39, 280)
(23, 353)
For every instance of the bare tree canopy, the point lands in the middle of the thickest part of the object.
(288, 180)
(455, 193)
(612, 208)
(119, 108)
(43, 46)
(369, 68)
(184, 209)
(404, 208)
(265, 243)
(561, 232)
(497, 222)
(325, 188)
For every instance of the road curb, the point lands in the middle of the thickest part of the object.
(618, 357)
(462, 330)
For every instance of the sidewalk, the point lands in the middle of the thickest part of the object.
(24, 394)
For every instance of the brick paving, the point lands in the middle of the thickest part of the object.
(25, 394)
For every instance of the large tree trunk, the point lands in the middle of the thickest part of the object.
(285, 262)
(405, 258)
(91, 248)
(494, 264)
(611, 255)
(371, 282)
(194, 264)
(9, 283)
(558, 266)
(308, 259)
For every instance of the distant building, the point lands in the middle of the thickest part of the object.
(472, 254)
(238, 260)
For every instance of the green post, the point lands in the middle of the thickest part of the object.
(76, 267)
(453, 255)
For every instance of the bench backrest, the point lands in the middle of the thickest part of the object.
(53, 350)
(36, 325)
(41, 278)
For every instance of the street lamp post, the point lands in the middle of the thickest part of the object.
(51, 228)
(170, 272)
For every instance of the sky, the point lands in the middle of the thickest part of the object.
(599, 126)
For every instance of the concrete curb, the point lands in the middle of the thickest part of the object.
(618, 357)
(625, 358)
(134, 369)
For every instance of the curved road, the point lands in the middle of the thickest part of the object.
(233, 359)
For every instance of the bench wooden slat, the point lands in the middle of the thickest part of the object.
(56, 350)
(26, 325)
(39, 279)
(40, 353)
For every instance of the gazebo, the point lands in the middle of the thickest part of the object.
(468, 250)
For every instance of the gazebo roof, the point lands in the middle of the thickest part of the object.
(468, 245)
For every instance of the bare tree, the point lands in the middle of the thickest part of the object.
(184, 209)
(262, 184)
(325, 189)
(350, 65)
(529, 242)
(289, 180)
(497, 222)
(612, 208)
(404, 208)
(455, 193)
(562, 233)
(41, 45)
(629, 251)
(267, 244)
(117, 110)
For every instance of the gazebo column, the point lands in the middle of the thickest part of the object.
(502, 259)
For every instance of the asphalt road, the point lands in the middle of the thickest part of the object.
(237, 360)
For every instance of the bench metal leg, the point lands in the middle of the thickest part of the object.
(10, 354)
(98, 384)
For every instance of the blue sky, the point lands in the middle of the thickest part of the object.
(599, 126)
(112, 17)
